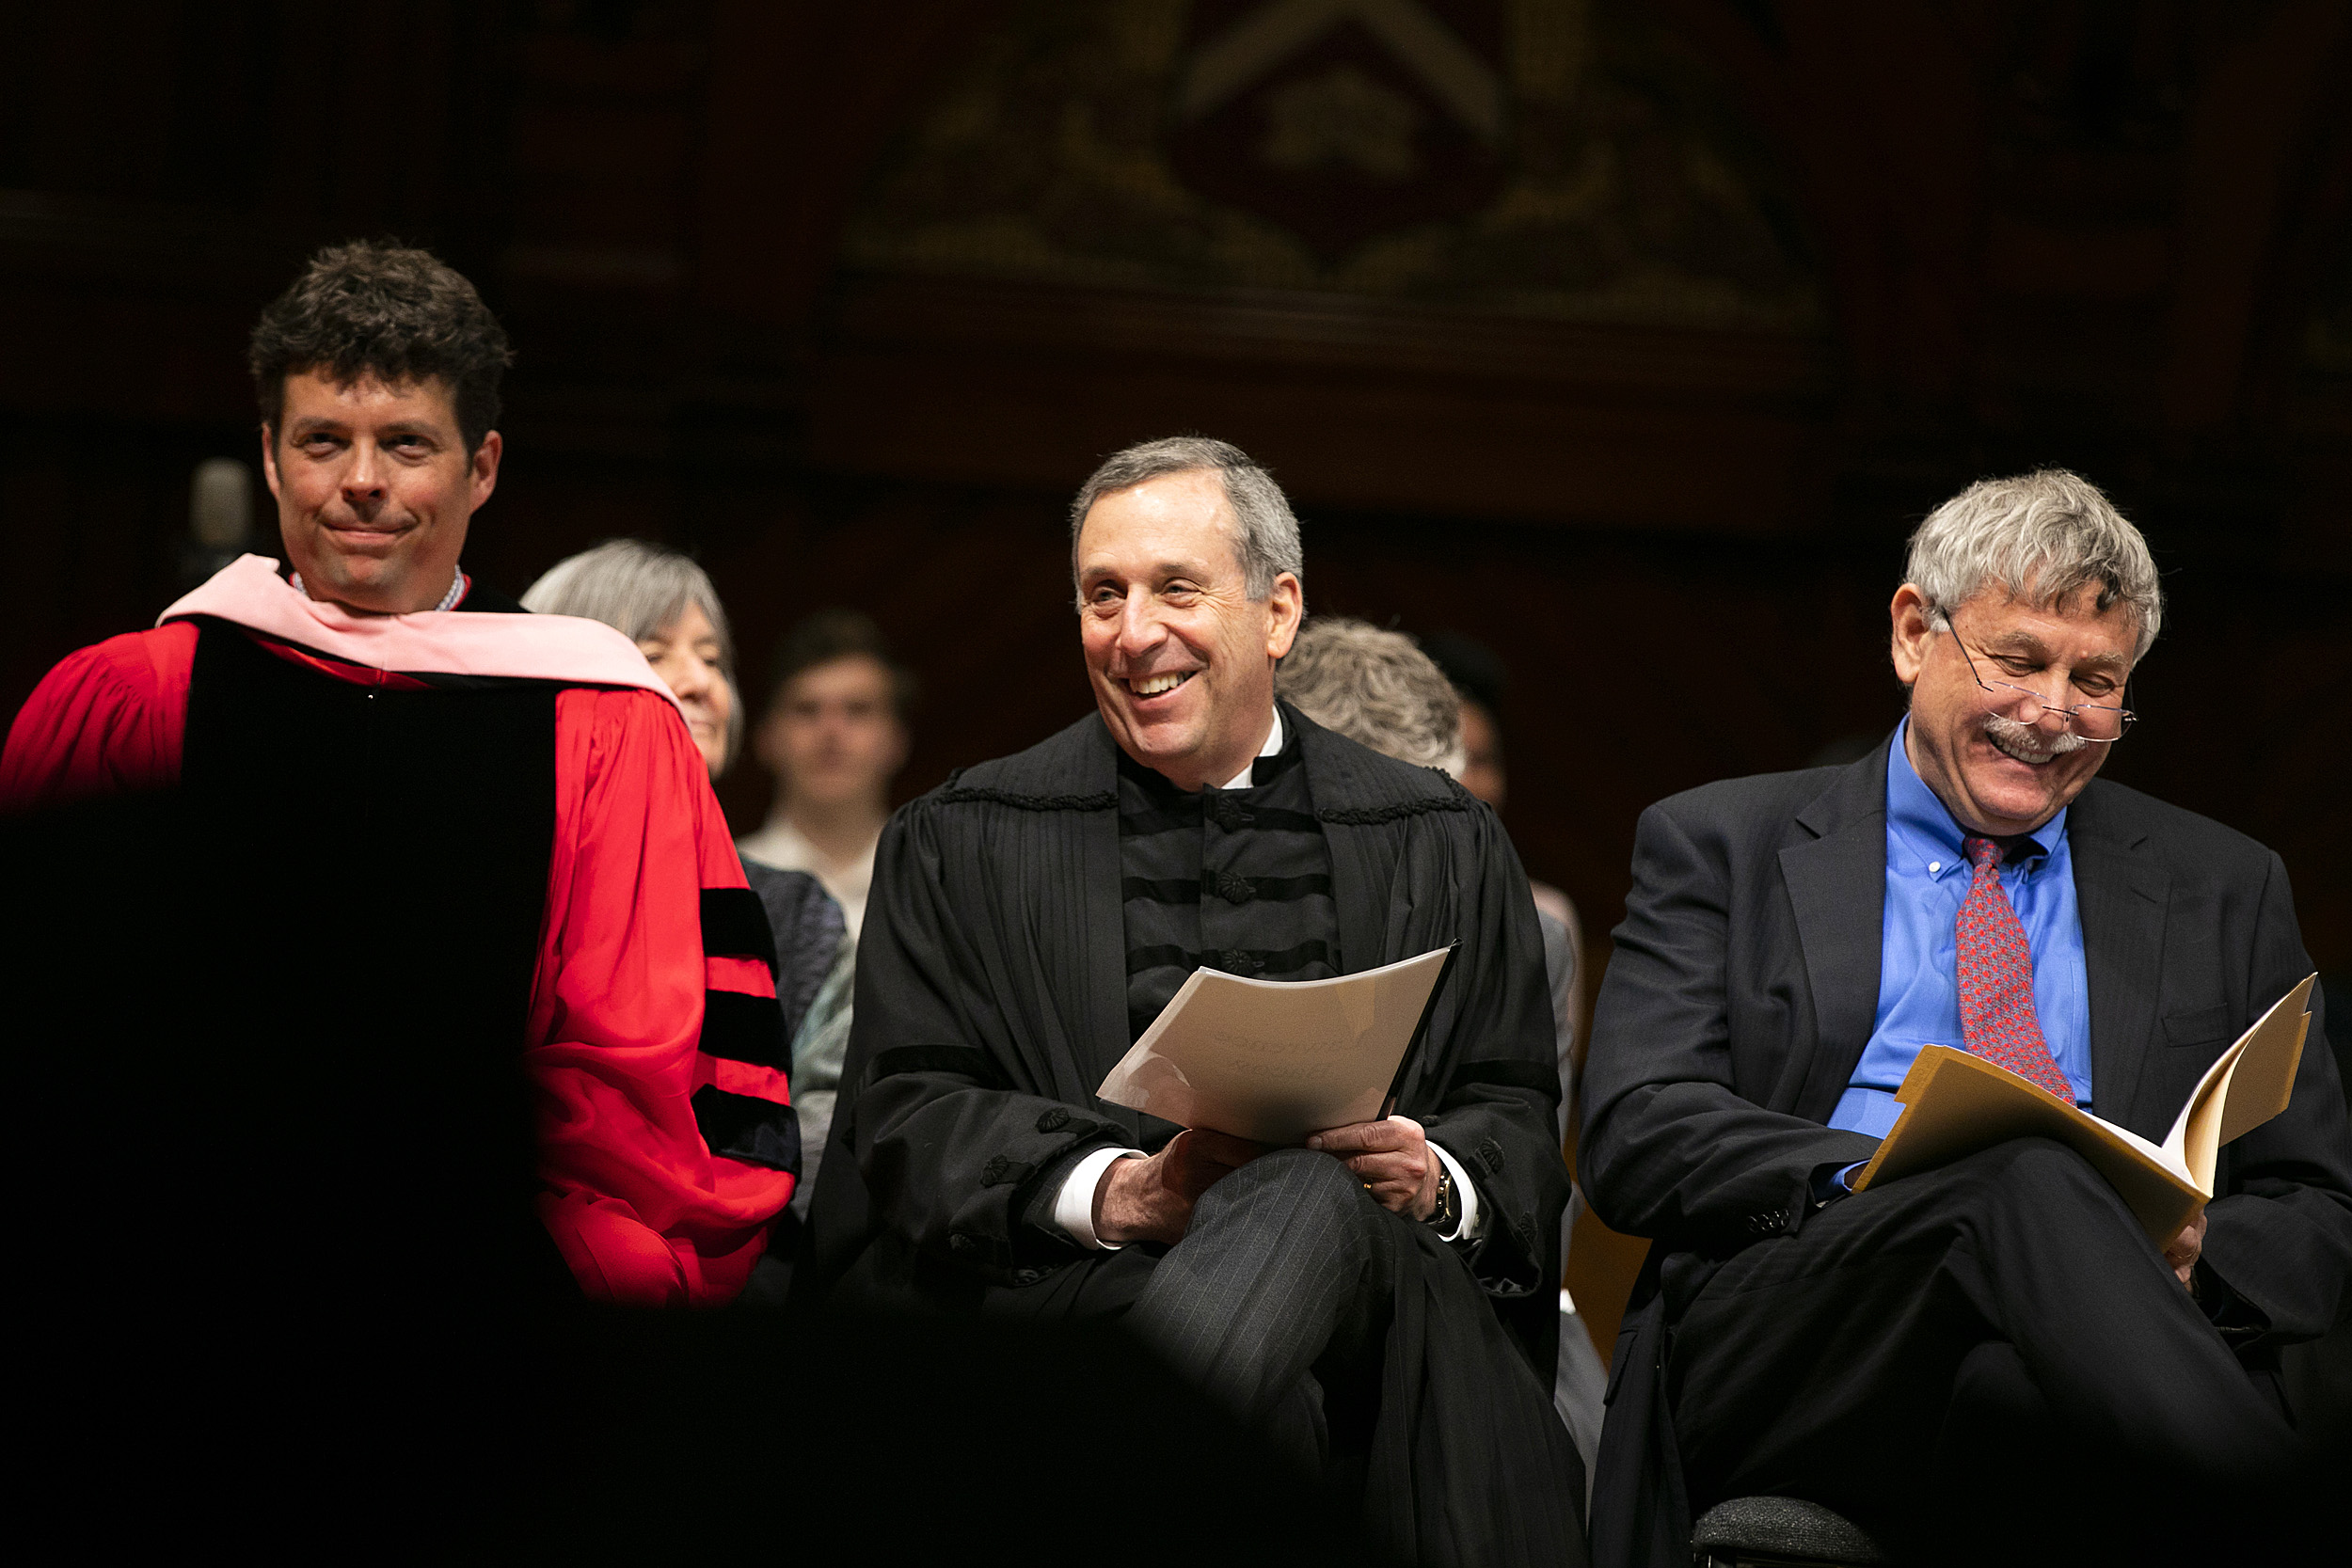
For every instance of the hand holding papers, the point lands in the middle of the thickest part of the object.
(1273, 1061)
(1955, 1103)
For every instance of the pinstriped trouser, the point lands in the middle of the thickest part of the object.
(1355, 1339)
(1287, 1267)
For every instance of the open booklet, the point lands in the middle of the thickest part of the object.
(1955, 1105)
(1275, 1060)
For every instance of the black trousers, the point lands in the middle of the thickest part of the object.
(1355, 1340)
(1989, 1357)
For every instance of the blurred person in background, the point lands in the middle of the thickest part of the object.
(1380, 690)
(1478, 680)
(835, 736)
(1377, 689)
(660, 600)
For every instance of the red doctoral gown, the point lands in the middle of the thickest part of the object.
(641, 936)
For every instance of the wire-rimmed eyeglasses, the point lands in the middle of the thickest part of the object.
(2097, 723)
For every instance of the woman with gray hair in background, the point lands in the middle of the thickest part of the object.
(1377, 689)
(664, 603)
(1380, 690)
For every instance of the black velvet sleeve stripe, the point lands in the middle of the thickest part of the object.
(1173, 889)
(735, 925)
(1187, 889)
(744, 1127)
(745, 1028)
(1511, 1075)
(1262, 818)
(1250, 961)
(1163, 956)
(1282, 960)
(963, 1060)
(1290, 887)
(1148, 821)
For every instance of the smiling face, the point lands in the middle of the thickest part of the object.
(685, 654)
(374, 488)
(1181, 657)
(1997, 776)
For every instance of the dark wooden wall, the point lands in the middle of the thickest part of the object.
(2077, 231)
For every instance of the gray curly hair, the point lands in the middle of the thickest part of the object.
(1377, 689)
(2043, 536)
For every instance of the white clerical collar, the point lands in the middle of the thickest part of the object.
(1273, 746)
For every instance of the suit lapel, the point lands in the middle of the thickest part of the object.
(2120, 894)
(1836, 882)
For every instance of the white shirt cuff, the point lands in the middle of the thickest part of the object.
(1473, 1224)
(1073, 1206)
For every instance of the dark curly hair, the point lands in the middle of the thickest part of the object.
(387, 309)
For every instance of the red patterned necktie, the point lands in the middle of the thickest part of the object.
(1996, 1016)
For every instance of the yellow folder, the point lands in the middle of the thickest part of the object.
(1955, 1105)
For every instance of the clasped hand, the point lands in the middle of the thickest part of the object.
(2185, 1248)
(1152, 1199)
(1391, 1158)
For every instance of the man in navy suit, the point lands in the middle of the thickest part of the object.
(1995, 1346)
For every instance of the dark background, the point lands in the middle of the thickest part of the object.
(1643, 377)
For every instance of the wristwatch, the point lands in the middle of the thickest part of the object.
(1447, 1216)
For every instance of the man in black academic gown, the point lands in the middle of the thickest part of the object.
(1381, 1304)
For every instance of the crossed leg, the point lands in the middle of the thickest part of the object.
(2008, 1300)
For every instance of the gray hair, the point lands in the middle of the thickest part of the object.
(1377, 689)
(640, 590)
(1265, 533)
(2047, 534)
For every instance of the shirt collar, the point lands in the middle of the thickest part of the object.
(1924, 824)
(457, 585)
(1273, 746)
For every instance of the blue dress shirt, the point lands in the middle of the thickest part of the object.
(1927, 878)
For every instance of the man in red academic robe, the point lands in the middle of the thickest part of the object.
(406, 840)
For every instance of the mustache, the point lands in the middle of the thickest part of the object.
(2025, 740)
